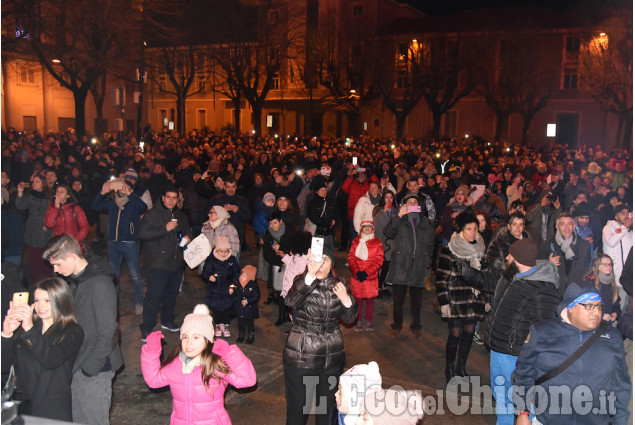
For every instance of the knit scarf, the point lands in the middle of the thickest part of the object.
(361, 251)
(217, 222)
(376, 199)
(121, 201)
(455, 206)
(278, 233)
(472, 252)
(606, 279)
(583, 232)
(565, 245)
(188, 363)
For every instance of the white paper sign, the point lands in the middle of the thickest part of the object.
(197, 251)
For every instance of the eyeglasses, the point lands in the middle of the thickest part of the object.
(590, 307)
(607, 264)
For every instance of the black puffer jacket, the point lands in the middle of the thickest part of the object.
(321, 212)
(315, 340)
(520, 300)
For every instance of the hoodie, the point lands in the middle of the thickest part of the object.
(601, 372)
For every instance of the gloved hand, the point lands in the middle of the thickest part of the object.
(153, 342)
(361, 276)
(445, 310)
(462, 266)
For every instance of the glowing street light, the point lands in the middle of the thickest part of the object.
(56, 61)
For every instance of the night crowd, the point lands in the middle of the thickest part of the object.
(528, 250)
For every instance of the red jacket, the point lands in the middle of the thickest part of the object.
(369, 287)
(69, 218)
(355, 190)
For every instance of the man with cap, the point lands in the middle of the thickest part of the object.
(570, 253)
(583, 226)
(132, 177)
(426, 203)
(617, 238)
(595, 388)
(124, 215)
(524, 294)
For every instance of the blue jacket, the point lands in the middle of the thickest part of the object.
(123, 223)
(602, 369)
(251, 293)
(218, 297)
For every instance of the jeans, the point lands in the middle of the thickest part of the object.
(501, 367)
(163, 287)
(128, 250)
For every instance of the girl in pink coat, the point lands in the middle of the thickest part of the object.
(198, 371)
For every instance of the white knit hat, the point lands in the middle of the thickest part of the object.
(199, 322)
(358, 381)
(221, 212)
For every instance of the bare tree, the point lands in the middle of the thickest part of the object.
(606, 69)
(75, 40)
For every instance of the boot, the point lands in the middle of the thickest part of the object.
(270, 298)
(250, 340)
(241, 334)
(464, 350)
(282, 317)
(450, 354)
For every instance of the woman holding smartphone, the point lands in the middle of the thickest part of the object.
(66, 216)
(41, 341)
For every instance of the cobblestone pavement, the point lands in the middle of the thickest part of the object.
(404, 361)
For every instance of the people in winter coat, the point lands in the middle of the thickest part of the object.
(364, 260)
(91, 280)
(237, 206)
(35, 203)
(617, 238)
(162, 230)
(461, 304)
(495, 259)
(315, 346)
(287, 211)
(366, 205)
(381, 217)
(42, 347)
(524, 294)
(541, 218)
(412, 187)
(493, 205)
(295, 260)
(321, 211)
(218, 225)
(461, 202)
(66, 216)
(413, 238)
(198, 371)
(602, 278)
(602, 369)
(12, 232)
(221, 273)
(275, 247)
(124, 216)
(570, 253)
(246, 307)
(261, 216)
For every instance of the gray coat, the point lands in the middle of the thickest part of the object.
(96, 306)
(35, 233)
(381, 221)
(409, 266)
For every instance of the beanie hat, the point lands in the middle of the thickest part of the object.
(131, 174)
(582, 209)
(328, 251)
(525, 251)
(221, 212)
(463, 188)
(250, 271)
(199, 322)
(356, 382)
(222, 243)
(394, 406)
(269, 197)
(405, 198)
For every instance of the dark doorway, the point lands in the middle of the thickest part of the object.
(567, 129)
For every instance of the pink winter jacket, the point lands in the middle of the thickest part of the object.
(192, 404)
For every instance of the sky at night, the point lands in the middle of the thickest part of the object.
(449, 7)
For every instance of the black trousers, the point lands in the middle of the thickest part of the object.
(244, 322)
(222, 316)
(301, 386)
(398, 297)
(162, 289)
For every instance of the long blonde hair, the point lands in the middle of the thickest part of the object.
(594, 274)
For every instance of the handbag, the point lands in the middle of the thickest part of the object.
(575, 356)
(277, 277)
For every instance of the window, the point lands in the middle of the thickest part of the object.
(273, 16)
(275, 82)
(572, 47)
(201, 118)
(451, 119)
(570, 78)
(200, 83)
(26, 75)
(273, 54)
(162, 82)
(163, 117)
(358, 10)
